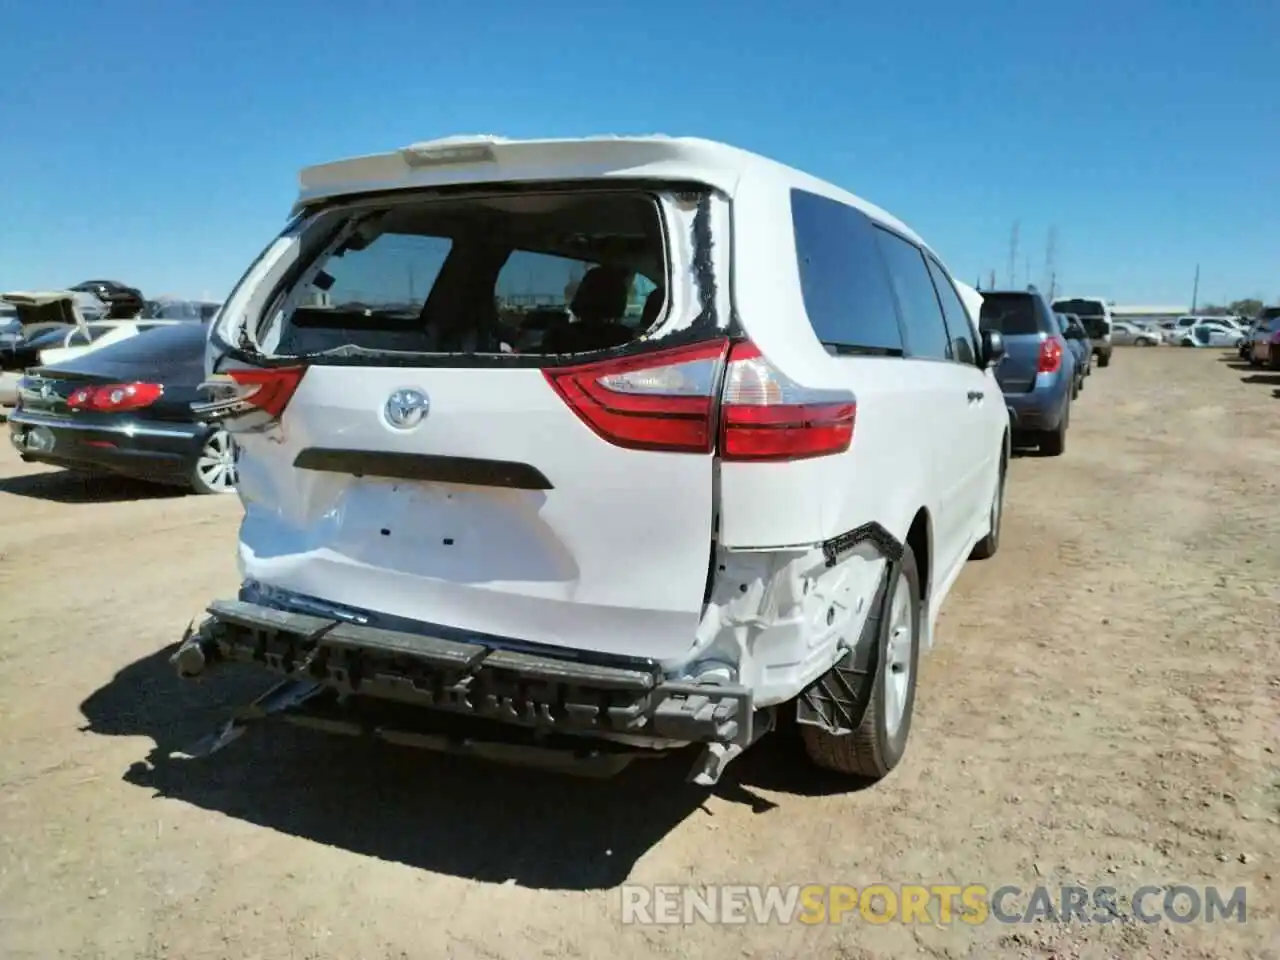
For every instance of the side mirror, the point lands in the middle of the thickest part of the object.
(992, 347)
(1072, 333)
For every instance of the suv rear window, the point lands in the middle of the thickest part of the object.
(530, 274)
(1081, 308)
(1012, 314)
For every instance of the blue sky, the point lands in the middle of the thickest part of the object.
(158, 143)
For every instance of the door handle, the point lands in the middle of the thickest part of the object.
(975, 395)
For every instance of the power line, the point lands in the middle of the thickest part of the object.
(1013, 256)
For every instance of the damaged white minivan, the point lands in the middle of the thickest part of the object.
(572, 451)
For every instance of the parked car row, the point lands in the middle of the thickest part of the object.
(1128, 334)
(1186, 331)
(1048, 355)
(1205, 331)
(42, 328)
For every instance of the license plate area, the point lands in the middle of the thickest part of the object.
(451, 533)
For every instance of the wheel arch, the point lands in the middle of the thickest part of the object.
(920, 539)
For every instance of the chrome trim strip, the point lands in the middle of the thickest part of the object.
(123, 430)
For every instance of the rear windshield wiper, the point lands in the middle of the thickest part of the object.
(853, 350)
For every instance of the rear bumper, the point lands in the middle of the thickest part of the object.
(129, 446)
(1040, 409)
(531, 690)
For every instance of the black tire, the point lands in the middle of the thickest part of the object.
(988, 545)
(1053, 443)
(1104, 359)
(871, 752)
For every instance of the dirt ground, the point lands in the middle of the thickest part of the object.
(1103, 708)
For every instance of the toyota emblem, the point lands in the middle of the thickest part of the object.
(406, 409)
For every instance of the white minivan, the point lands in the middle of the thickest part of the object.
(651, 441)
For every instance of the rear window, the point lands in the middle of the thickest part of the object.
(1081, 308)
(528, 274)
(1011, 314)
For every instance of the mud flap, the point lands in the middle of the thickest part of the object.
(837, 700)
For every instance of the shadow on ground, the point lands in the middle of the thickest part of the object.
(452, 815)
(67, 486)
(1271, 379)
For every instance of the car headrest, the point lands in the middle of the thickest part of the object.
(601, 294)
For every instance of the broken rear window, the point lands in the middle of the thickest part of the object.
(524, 273)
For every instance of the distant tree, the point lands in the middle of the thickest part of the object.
(1248, 307)
(1210, 310)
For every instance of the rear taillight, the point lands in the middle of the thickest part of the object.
(765, 415)
(659, 401)
(668, 401)
(1050, 356)
(115, 397)
(248, 390)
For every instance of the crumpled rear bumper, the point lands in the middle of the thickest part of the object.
(532, 690)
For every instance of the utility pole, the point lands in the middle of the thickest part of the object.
(1013, 256)
(1195, 290)
(1050, 258)
(992, 278)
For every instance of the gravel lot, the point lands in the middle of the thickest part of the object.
(1103, 708)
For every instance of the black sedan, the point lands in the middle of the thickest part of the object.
(126, 409)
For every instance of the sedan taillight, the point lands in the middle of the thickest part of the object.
(115, 397)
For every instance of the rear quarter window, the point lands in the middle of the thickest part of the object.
(846, 290)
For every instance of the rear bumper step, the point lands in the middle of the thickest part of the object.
(529, 690)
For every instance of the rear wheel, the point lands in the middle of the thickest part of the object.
(988, 545)
(1104, 359)
(1054, 442)
(880, 740)
(214, 470)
